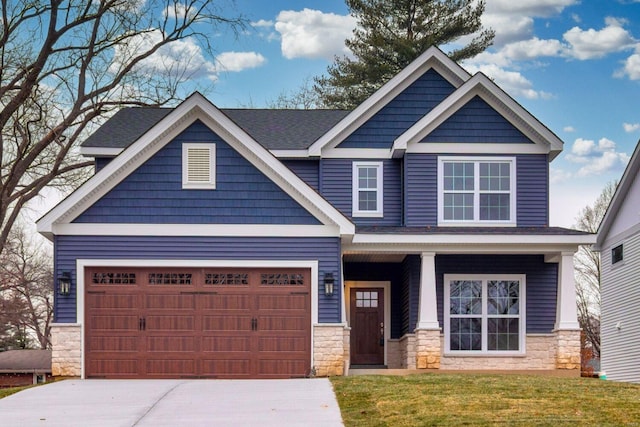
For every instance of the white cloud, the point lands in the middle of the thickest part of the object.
(313, 34)
(631, 127)
(532, 48)
(631, 66)
(262, 23)
(591, 44)
(539, 8)
(596, 158)
(178, 11)
(239, 61)
(511, 82)
(569, 129)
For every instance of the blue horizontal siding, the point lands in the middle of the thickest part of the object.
(541, 282)
(307, 170)
(326, 250)
(421, 190)
(336, 186)
(401, 113)
(411, 267)
(477, 122)
(533, 190)
(153, 193)
(101, 162)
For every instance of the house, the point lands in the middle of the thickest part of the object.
(412, 232)
(619, 246)
(24, 367)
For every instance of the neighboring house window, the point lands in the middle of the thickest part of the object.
(485, 315)
(367, 189)
(476, 190)
(199, 166)
(616, 254)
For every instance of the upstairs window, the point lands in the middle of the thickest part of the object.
(199, 166)
(367, 189)
(616, 254)
(476, 190)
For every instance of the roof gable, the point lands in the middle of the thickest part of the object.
(624, 209)
(480, 86)
(196, 107)
(432, 58)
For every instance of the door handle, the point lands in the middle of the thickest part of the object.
(142, 324)
(254, 324)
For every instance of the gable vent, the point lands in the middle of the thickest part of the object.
(198, 168)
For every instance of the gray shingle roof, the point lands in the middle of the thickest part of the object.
(25, 361)
(273, 129)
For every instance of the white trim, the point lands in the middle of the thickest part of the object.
(82, 264)
(228, 230)
(522, 314)
(473, 239)
(196, 107)
(386, 285)
(512, 222)
(356, 153)
(481, 85)
(355, 187)
(428, 299)
(466, 148)
(431, 58)
(210, 184)
(290, 154)
(566, 307)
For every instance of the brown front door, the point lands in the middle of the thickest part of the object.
(190, 323)
(367, 326)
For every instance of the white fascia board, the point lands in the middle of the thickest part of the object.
(475, 148)
(629, 175)
(450, 249)
(100, 151)
(473, 239)
(220, 230)
(431, 58)
(193, 108)
(482, 86)
(357, 153)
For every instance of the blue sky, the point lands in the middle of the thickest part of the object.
(574, 65)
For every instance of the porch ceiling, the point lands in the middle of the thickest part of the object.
(374, 257)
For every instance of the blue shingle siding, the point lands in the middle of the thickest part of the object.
(477, 122)
(384, 271)
(307, 170)
(533, 190)
(153, 193)
(337, 187)
(421, 190)
(401, 113)
(326, 250)
(541, 282)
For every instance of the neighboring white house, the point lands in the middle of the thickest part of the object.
(619, 246)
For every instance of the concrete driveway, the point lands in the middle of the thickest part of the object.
(192, 403)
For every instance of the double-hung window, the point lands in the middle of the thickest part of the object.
(476, 191)
(367, 189)
(484, 314)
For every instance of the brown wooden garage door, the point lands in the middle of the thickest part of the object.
(197, 323)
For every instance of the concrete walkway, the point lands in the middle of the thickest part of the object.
(192, 403)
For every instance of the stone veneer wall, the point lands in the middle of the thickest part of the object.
(408, 351)
(329, 351)
(568, 345)
(540, 355)
(428, 345)
(66, 350)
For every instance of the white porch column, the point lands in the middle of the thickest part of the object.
(567, 310)
(428, 306)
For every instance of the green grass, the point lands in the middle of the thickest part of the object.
(485, 400)
(4, 392)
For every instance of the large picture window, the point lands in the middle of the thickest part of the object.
(484, 314)
(367, 189)
(476, 190)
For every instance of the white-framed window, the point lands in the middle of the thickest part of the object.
(477, 190)
(617, 254)
(198, 166)
(484, 314)
(367, 189)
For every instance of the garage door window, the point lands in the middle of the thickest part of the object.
(226, 279)
(113, 278)
(169, 278)
(282, 279)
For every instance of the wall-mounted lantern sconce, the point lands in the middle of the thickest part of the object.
(328, 284)
(64, 283)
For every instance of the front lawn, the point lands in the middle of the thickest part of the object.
(470, 399)
(4, 392)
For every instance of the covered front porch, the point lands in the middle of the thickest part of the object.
(508, 307)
